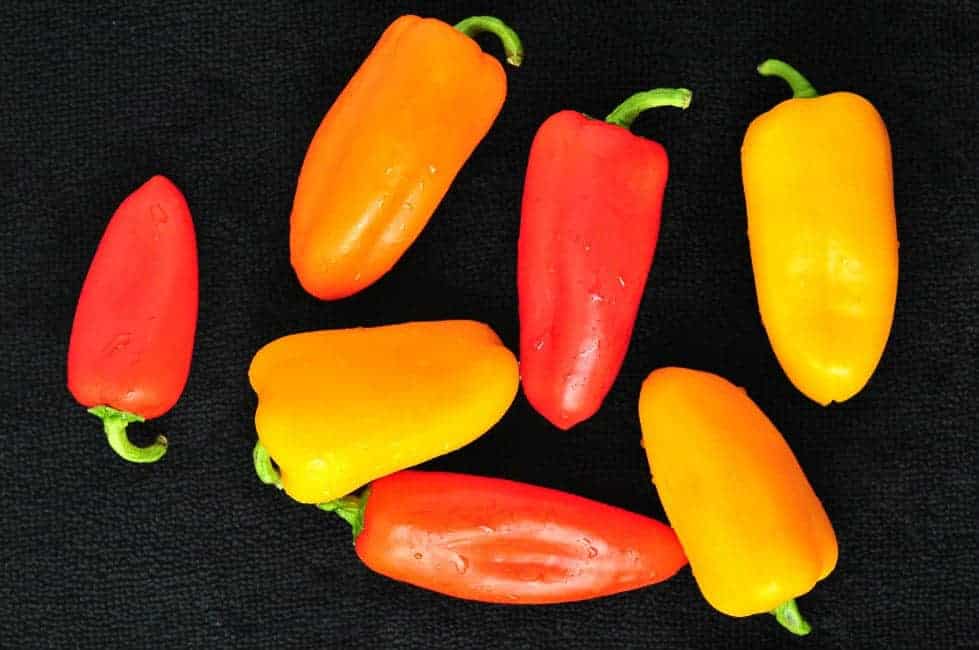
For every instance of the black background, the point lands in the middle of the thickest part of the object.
(223, 97)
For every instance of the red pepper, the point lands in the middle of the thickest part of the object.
(588, 229)
(133, 333)
(499, 541)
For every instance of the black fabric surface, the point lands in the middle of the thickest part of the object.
(223, 97)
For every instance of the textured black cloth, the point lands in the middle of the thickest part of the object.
(223, 98)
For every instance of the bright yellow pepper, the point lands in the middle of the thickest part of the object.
(753, 529)
(340, 408)
(819, 192)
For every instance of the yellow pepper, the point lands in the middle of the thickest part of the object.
(821, 223)
(753, 529)
(340, 408)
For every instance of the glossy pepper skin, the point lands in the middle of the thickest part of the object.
(500, 541)
(589, 223)
(133, 334)
(340, 408)
(821, 222)
(755, 532)
(389, 148)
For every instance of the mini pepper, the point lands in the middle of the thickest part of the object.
(823, 233)
(389, 148)
(340, 408)
(753, 529)
(498, 541)
(588, 228)
(133, 333)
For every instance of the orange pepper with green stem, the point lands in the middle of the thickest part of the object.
(497, 541)
(340, 408)
(753, 529)
(390, 147)
(820, 200)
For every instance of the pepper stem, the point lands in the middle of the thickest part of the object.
(267, 473)
(627, 112)
(512, 46)
(114, 423)
(801, 88)
(350, 508)
(788, 615)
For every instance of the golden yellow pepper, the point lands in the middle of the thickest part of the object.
(753, 529)
(820, 201)
(340, 408)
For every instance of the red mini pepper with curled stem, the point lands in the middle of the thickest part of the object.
(588, 229)
(133, 333)
(499, 541)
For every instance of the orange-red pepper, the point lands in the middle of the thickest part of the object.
(390, 146)
(500, 541)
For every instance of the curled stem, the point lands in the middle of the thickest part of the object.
(512, 46)
(801, 88)
(114, 422)
(626, 112)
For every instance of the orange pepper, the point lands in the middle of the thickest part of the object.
(390, 146)
(820, 201)
(753, 529)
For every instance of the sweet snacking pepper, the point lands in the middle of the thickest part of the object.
(821, 223)
(753, 529)
(133, 333)
(390, 146)
(499, 541)
(340, 408)
(588, 228)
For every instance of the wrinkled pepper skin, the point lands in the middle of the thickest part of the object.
(133, 334)
(387, 152)
(755, 532)
(590, 219)
(500, 541)
(823, 233)
(340, 408)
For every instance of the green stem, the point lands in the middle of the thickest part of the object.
(627, 112)
(350, 508)
(475, 25)
(263, 466)
(114, 423)
(801, 88)
(788, 615)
